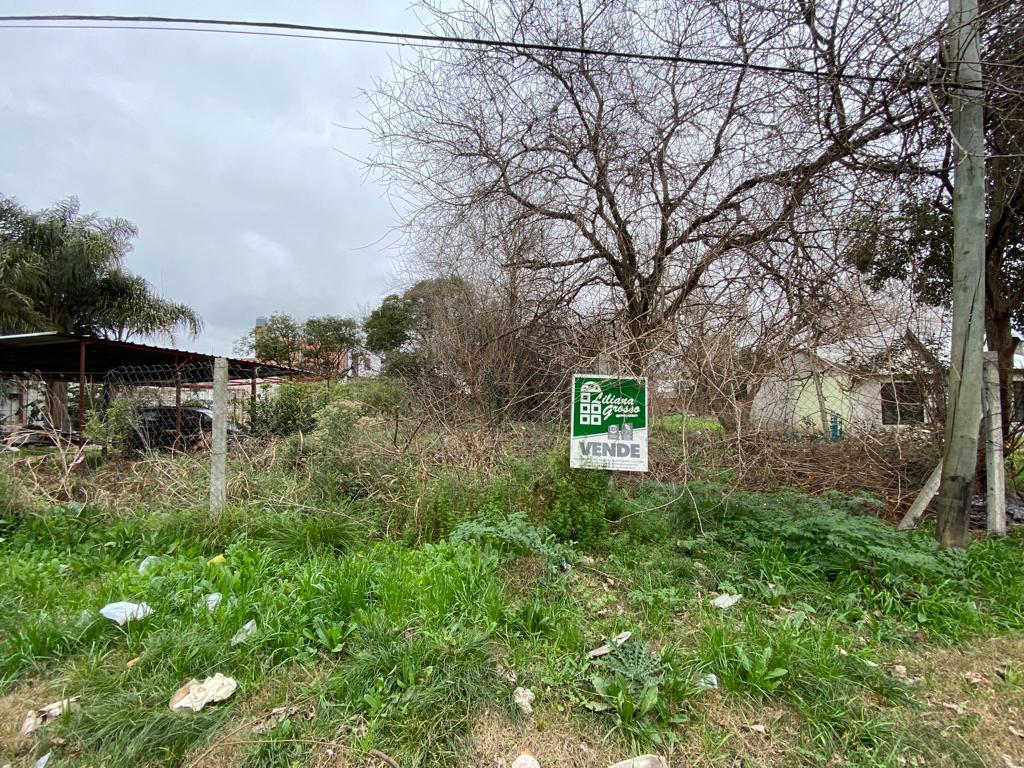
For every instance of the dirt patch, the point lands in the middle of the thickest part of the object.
(14, 705)
(977, 693)
(551, 737)
(522, 574)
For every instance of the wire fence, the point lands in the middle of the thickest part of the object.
(140, 407)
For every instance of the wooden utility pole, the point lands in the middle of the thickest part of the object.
(995, 472)
(963, 410)
(218, 456)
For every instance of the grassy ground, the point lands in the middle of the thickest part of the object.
(852, 645)
(405, 581)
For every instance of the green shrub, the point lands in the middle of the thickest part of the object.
(380, 395)
(294, 407)
(114, 427)
(578, 502)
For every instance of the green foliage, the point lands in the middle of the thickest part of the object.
(390, 327)
(327, 339)
(114, 427)
(67, 273)
(642, 692)
(578, 502)
(400, 646)
(512, 536)
(380, 395)
(294, 407)
(319, 344)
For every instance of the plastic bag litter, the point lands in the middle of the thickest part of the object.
(39, 717)
(642, 761)
(709, 680)
(149, 563)
(525, 760)
(523, 697)
(213, 600)
(245, 633)
(195, 695)
(726, 601)
(42, 761)
(122, 612)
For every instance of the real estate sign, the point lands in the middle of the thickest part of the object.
(609, 423)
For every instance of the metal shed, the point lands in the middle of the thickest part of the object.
(52, 356)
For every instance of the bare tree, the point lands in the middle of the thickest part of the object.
(649, 177)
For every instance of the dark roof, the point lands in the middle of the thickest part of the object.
(54, 355)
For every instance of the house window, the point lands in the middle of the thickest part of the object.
(902, 403)
(1018, 401)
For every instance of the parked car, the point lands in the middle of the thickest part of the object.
(185, 428)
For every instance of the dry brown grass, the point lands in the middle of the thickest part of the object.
(987, 682)
(550, 736)
(14, 705)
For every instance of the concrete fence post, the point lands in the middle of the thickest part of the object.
(995, 472)
(218, 456)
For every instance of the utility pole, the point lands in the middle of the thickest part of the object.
(963, 410)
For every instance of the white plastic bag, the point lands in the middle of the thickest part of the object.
(123, 612)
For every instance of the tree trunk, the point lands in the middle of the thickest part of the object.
(819, 393)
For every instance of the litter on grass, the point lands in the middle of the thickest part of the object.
(40, 717)
(643, 761)
(122, 612)
(722, 602)
(195, 695)
(523, 697)
(245, 633)
(217, 560)
(709, 680)
(605, 649)
(213, 600)
(525, 760)
(149, 563)
(42, 761)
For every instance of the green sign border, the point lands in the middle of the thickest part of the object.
(633, 387)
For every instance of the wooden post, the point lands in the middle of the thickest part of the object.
(963, 410)
(218, 456)
(995, 471)
(924, 497)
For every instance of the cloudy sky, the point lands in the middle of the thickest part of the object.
(222, 149)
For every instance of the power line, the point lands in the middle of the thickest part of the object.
(412, 38)
(171, 28)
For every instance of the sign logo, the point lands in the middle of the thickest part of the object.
(609, 423)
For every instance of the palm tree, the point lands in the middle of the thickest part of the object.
(61, 270)
(75, 277)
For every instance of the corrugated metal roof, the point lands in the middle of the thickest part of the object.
(52, 354)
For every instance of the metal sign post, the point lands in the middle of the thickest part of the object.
(609, 423)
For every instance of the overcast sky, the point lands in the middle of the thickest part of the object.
(221, 149)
